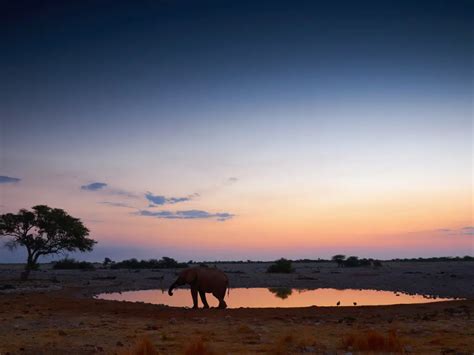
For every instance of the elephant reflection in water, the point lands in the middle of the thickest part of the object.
(281, 292)
(203, 280)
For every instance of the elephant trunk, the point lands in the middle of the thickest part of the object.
(170, 291)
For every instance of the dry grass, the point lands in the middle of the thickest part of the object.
(198, 347)
(436, 342)
(300, 342)
(372, 340)
(143, 347)
(245, 329)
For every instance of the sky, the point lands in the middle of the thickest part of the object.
(235, 130)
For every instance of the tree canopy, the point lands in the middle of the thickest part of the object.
(338, 257)
(44, 231)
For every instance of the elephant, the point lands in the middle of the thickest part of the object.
(203, 280)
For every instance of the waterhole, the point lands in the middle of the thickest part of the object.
(276, 297)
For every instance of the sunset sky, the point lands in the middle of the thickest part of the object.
(213, 130)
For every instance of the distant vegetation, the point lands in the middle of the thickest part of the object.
(436, 259)
(72, 264)
(282, 266)
(107, 262)
(319, 260)
(339, 259)
(354, 261)
(164, 263)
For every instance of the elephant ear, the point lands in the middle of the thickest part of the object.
(190, 277)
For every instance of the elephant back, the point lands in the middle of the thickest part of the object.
(212, 279)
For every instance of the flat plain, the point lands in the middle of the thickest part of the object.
(55, 312)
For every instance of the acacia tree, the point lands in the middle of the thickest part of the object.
(339, 259)
(44, 231)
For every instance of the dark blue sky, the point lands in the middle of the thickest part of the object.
(62, 55)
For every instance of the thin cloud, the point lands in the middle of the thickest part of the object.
(116, 204)
(187, 214)
(119, 192)
(232, 180)
(105, 188)
(93, 220)
(468, 230)
(8, 180)
(95, 186)
(160, 200)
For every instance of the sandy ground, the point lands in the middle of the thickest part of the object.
(55, 313)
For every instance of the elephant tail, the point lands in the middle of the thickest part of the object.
(228, 288)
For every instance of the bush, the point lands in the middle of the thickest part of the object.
(365, 262)
(107, 262)
(163, 263)
(352, 261)
(377, 263)
(72, 264)
(281, 266)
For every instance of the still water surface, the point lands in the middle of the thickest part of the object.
(275, 297)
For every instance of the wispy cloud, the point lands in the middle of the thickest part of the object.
(93, 220)
(468, 230)
(8, 180)
(187, 214)
(159, 200)
(120, 192)
(116, 204)
(232, 180)
(105, 188)
(95, 186)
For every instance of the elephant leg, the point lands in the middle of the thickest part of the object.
(203, 299)
(194, 294)
(220, 297)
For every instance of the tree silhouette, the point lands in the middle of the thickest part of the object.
(44, 231)
(353, 261)
(339, 259)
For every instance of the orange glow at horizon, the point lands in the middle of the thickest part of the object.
(395, 222)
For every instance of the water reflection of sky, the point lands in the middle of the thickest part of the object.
(276, 297)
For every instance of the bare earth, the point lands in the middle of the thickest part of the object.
(54, 312)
